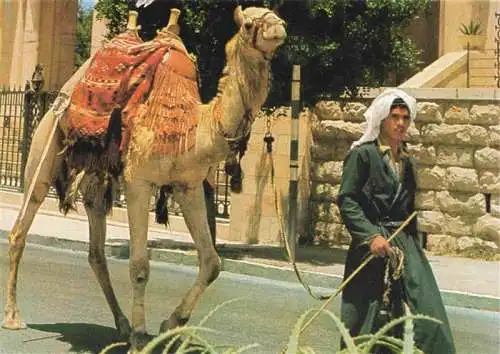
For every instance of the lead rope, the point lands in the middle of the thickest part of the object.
(394, 265)
(369, 257)
(269, 139)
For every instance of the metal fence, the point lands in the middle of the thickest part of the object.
(20, 113)
(11, 137)
(497, 49)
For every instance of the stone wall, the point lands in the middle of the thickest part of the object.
(456, 145)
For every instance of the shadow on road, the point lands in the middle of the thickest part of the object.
(83, 337)
(86, 338)
(313, 255)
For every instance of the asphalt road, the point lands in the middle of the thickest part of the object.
(66, 311)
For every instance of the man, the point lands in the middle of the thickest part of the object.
(376, 196)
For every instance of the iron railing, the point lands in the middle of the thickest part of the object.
(11, 137)
(20, 113)
(497, 49)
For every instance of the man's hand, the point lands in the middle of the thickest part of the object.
(379, 247)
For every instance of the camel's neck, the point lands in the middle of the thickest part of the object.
(243, 88)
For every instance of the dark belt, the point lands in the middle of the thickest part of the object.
(391, 223)
(387, 225)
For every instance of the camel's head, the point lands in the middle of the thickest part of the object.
(261, 29)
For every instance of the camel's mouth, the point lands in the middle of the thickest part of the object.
(273, 28)
(272, 35)
(276, 33)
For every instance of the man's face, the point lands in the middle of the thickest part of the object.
(395, 126)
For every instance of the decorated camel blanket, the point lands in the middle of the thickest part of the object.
(153, 85)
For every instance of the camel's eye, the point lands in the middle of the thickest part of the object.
(248, 25)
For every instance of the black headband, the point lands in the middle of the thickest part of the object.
(398, 102)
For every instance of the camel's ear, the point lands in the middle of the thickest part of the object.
(239, 18)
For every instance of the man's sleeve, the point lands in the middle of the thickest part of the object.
(354, 175)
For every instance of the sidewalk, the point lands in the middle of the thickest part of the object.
(463, 282)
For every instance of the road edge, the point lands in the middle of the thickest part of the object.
(119, 250)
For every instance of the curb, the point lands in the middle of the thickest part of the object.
(328, 282)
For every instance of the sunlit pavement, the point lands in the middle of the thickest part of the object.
(66, 311)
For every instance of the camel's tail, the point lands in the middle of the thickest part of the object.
(162, 205)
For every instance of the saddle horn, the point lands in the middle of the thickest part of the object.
(172, 25)
(132, 21)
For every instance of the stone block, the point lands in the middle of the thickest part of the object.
(345, 237)
(354, 112)
(330, 172)
(432, 178)
(441, 243)
(328, 212)
(323, 152)
(425, 200)
(456, 226)
(465, 242)
(495, 206)
(494, 136)
(342, 148)
(462, 179)
(429, 112)
(423, 154)
(337, 129)
(457, 114)
(325, 191)
(413, 134)
(489, 182)
(445, 134)
(316, 130)
(328, 233)
(328, 110)
(461, 156)
(487, 159)
(487, 227)
(461, 203)
(485, 114)
(431, 222)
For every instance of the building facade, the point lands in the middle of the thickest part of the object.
(37, 32)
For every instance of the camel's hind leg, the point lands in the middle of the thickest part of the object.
(96, 212)
(192, 203)
(17, 236)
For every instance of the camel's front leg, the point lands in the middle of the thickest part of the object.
(17, 236)
(138, 198)
(192, 203)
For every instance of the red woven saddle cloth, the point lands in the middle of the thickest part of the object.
(116, 78)
(171, 110)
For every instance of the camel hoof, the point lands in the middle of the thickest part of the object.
(173, 322)
(138, 341)
(13, 322)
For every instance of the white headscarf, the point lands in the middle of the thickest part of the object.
(380, 109)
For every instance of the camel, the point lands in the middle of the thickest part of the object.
(223, 123)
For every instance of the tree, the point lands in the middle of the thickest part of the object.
(83, 35)
(340, 44)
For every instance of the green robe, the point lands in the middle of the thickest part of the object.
(371, 194)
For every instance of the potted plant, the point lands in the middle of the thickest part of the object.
(472, 35)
